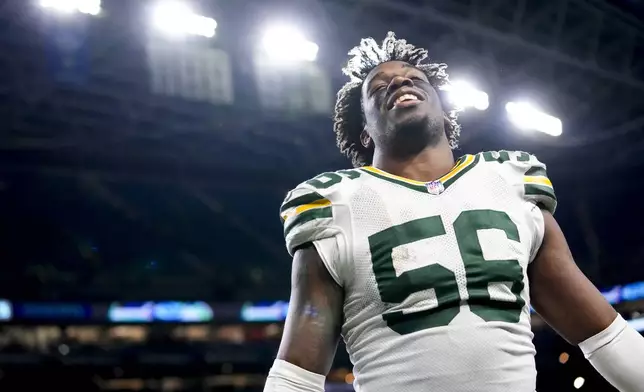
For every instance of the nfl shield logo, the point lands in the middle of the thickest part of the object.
(435, 187)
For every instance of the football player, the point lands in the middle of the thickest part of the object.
(427, 265)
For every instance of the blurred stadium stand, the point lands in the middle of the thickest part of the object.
(135, 168)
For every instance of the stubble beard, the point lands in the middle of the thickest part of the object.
(406, 139)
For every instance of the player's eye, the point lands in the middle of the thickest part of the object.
(377, 88)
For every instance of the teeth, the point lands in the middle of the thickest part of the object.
(405, 97)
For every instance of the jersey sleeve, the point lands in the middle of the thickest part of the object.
(537, 187)
(528, 175)
(309, 216)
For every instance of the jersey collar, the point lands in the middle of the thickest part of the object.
(463, 165)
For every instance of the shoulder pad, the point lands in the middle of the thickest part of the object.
(528, 173)
(307, 210)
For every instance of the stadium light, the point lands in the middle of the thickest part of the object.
(579, 382)
(174, 18)
(464, 95)
(286, 44)
(89, 7)
(529, 118)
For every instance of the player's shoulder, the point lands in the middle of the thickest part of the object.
(324, 189)
(519, 165)
(524, 171)
(514, 159)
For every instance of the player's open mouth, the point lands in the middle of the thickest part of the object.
(404, 99)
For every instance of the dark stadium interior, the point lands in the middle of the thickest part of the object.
(112, 191)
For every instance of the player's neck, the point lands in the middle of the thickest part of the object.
(430, 164)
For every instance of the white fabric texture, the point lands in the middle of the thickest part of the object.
(618, 354)
(286, 377)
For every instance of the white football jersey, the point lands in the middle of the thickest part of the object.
(434, 274)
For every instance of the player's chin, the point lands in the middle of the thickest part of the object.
(408, 118)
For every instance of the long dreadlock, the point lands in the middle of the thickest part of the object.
(348, 118)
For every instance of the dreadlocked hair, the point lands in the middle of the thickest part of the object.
(348, 118)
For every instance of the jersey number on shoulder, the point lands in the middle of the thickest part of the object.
(480, 272)
(327, 180)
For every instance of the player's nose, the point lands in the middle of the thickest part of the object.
(398, 82)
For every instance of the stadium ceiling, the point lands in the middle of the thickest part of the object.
(586, 34)
(583, 60)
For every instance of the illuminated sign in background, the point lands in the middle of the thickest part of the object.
(182, 312)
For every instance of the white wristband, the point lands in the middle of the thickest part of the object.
(286, 377)
(618, 354)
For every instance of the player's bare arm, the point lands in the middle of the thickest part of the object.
(314, 319)
(312, 328)
(571, 304)
(561, 293)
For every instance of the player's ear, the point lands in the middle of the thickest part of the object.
(365, 139)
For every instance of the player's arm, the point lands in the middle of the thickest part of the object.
(312, 327)
(571, 304)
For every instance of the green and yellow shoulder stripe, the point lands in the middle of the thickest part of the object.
(531, 174)
(307, 211)
(303, 205)
(537, 186)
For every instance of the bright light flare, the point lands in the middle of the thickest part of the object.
(89, 7)
(579, 382)
(464, 95)
(286, 44)
(527, 117)
(177, 19)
